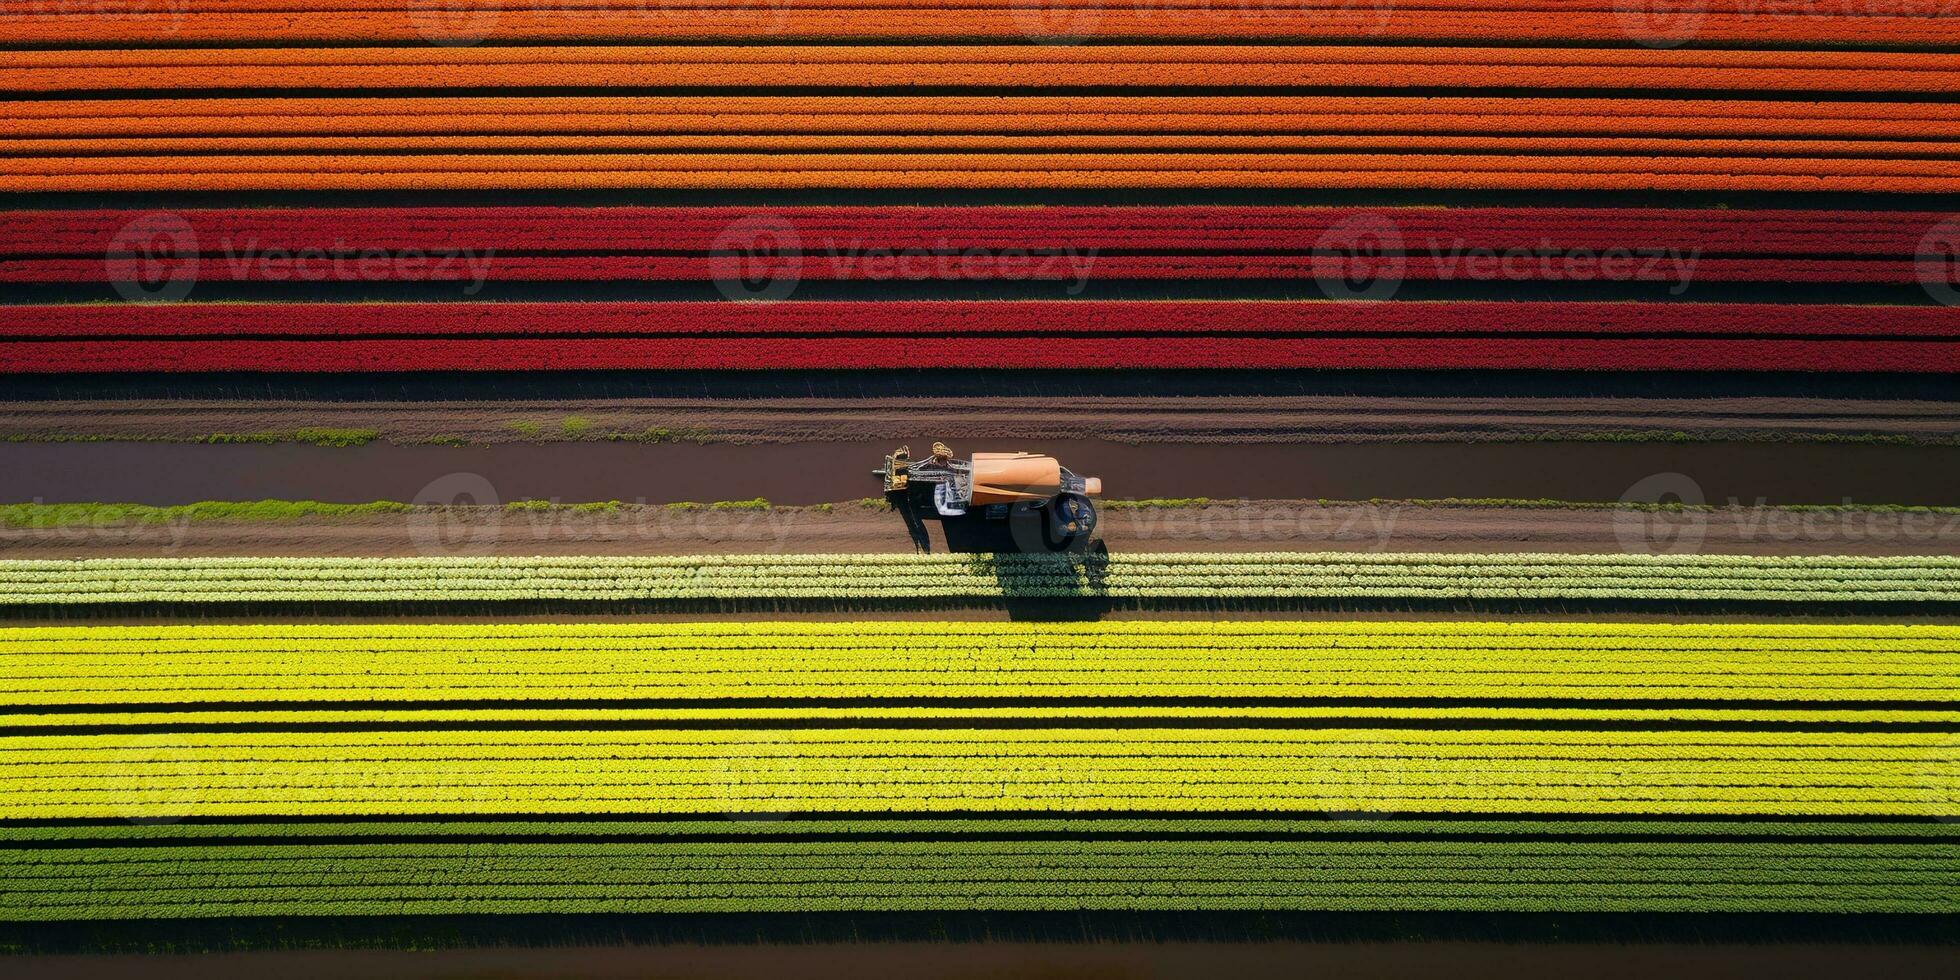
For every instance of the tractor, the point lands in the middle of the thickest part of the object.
(1032, 491)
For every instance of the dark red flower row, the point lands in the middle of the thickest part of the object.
(1035, 334)
(986, 243)
(865, 353)
(990, 267)
(1036, 318)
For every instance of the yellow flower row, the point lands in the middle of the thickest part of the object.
(883, 660)
(890, 769)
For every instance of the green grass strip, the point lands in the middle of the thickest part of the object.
(96, 514)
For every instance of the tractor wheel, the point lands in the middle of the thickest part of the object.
(1069, 521)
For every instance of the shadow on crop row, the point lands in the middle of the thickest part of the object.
(1032, 609)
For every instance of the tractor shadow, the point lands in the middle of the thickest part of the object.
(1038, 579)
(973, 534)
(1054, 586)
(915, 523)
(1029, 584)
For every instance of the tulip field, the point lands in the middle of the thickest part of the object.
(477, 154)
(865, 243)
(870, 670)
(218, 97)
(1353, 253)
(1143, 577)
(431, 438)
(948, 334)
(1000, 103)
(923, 864)
(1899, 22)
(333, 769)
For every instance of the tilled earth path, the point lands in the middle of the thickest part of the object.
(1138, 419)
(828, 472)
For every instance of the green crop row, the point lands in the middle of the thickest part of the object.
(950, 769)
(927, 577)
(398, 878)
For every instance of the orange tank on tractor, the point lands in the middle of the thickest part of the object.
(1000, 484)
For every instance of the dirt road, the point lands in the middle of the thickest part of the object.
(1140, 419)
(995, 959)
(824, 472)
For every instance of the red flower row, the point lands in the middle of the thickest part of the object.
(1039, 320)
(1022, 267)
(828, 230)
(1116, 351)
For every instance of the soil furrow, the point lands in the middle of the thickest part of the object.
(1141, 419)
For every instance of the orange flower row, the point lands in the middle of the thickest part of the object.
(1898, 23)
(982, 170)
(1780, 9)
(789, 66)
(1476, 116)
(1525, 147)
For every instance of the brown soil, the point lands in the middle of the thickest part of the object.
(820, 472)
(995, 960)
(1238, 526)
(1142, 419)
